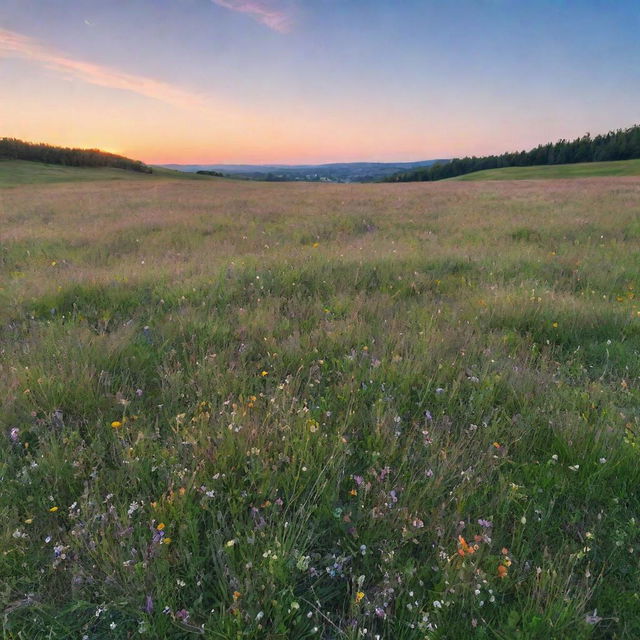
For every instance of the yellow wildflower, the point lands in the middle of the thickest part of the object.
(359, 596)
(53, 509)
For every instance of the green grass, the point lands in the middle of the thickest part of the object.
(580, 170)
(18, 172)
(244, 410)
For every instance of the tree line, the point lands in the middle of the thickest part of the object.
(14, 149)
(621, 144)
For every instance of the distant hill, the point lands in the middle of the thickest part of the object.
(14, 149)
(333, 172)
(557, 171)
(622, 144)
(14, 173)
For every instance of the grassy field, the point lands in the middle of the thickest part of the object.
(244, 410)
(580, 170)
(18, 172)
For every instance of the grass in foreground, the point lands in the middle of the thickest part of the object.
(579, 170)
(242, 410)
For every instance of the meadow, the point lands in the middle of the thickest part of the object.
(558, 171)
(267, 410)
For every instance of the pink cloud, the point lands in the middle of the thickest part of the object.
(261, 10)
(17, 45)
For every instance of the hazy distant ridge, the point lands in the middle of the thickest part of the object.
(330, 172)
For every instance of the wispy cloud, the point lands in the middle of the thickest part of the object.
(14, 44)
(263, 11)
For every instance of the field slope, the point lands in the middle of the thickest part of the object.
(17, 172)
(246, 410)
(557, 171)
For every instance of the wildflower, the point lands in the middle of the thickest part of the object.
(574, 467)
(14, 434)
(359, 596)
(116, 424)
(593, 618)
(166, 540)
(264, 373)
(464, 547)
(353, 492)
(602, 460)
(485, 524)
(497, 445)
(148, 604)
(236, 595)
(160, 527)
(502, 571)
(230, 543)
(505, 551)
(53, 509)
(28, 521)
(437, 604)
(183, 615)
(555, 325)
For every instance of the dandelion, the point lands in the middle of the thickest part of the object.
(264, 373)
(116, 424)
(53, 509)
(359, 596)
(555, 325)
(166, 540)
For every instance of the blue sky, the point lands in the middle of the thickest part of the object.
(316, 80)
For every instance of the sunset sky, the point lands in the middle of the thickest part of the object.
(302, 81)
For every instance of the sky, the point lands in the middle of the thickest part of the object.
(311, 81)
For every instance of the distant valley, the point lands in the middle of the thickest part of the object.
(334, 172)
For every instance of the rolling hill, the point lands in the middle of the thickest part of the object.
(557, 171)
